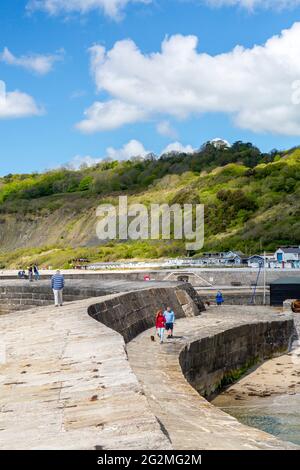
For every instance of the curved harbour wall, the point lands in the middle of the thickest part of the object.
(21, 295)
(215, 361)
(132, 313)
(70, 379)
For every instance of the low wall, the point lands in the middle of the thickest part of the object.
(215, 361)
(236, 298)
(23, 297)
(132, 313)
(196, 276)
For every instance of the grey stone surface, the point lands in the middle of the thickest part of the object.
(65, 380)
(134, 312)
(221, 335)
(21, 294)
(238, 296)
(197, 276)
(66, 383)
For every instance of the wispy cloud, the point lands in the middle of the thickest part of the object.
(177, 147)
(134, 148)
(111, 8)
(16, 104)
(37, 63)
(165, 129)
(253, 4)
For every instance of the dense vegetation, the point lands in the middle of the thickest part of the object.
(252, 200)
(132, 175)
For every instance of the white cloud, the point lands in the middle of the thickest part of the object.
(253, 86)
(252, 4)
(108, 116)
(79, 161)
(16, 104)
(177, 147)
(164, 128)
(132, 149)
(40, 64)
(112, 8)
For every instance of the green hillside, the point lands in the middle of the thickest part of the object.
(252, 202)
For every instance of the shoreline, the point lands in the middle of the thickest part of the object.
(277, 376)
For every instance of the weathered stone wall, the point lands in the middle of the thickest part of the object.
(214, 361)
(236, 298)
(229, 276)
(134, 312)
(201, 277)
(23, 295)
(26, 296)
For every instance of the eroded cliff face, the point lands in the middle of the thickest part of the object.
(72, 223)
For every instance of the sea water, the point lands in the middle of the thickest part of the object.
(277, 415)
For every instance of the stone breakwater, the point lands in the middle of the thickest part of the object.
(212, 362)
(198, 277)
(131, 314)
(19, 295)
(219, 337)
(66, 381)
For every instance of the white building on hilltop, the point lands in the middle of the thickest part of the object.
(220, 143)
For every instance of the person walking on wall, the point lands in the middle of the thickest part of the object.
(30, 274)
(36, 273)
(219, 299)
(160, 324)
(58, 284)
(170, 320)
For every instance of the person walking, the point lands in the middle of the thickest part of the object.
(30, 274)
(170, 320)
(160, 324)
(58, 284)
(219, 299)
(36, 273)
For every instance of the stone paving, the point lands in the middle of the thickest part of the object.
(66, 383)
(189, 420)
(21, 294)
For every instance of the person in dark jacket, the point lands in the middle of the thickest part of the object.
(219, 299)
(36, 272)
(30, 274)
(58, 284)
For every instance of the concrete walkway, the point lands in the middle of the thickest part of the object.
(189, 421)
(65, 383)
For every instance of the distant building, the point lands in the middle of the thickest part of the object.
(220, 143)
(226, 258)
(288, 256)
(255, 261)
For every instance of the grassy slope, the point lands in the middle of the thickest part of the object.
(246, 208)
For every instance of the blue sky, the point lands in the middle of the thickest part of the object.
(148, 99)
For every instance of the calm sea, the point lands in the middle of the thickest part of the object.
(277, 415)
